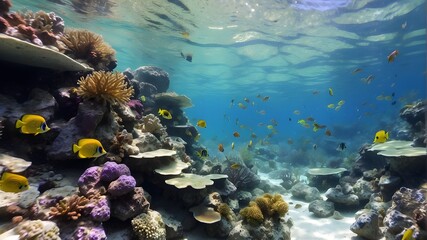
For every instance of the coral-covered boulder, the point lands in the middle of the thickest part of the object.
(101, 209)
(89, 231)
(90, 182)
(305, 192)
(149, 225)
(130, 205)
(121, 186)
(336, 196)
(153, 75)
(321, 209)
(366, 226)
(111, 171)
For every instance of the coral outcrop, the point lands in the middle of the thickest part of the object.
(265, 207)
(149, 225)
(105, 86)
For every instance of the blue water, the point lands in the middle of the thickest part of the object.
(276, 49)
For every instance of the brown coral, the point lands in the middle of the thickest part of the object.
(270, 206)
(225, 211)
(70, 207)
(105, 86)
(89, 46)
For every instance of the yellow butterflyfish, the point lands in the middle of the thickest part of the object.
(89, 148)
(165, 113)
(11, 182)
(32, 124)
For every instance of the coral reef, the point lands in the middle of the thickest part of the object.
(90, 47)
(265, 207)
(149, 226)
(35, 229)
(242, 178)
(105, 86)
(70, 208)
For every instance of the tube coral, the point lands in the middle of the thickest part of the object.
(105, 86)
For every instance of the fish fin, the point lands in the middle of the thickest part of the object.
(19, 123)
(386, 135)
(81, 155)
(76, 148)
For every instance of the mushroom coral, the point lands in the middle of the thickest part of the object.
(264, 207)
(105, 86)
(88, 46)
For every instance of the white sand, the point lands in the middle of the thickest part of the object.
(307, 226)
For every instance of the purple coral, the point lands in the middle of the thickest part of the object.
(89, 181)
(124, 184)
(137, 107)
(111, 171)
(101, 209)
(91, 233)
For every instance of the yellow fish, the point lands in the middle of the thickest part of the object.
(11, 182)
(142, 98)
(232, 146)
(338, 108)
(270, 127)
(241, 105)
(250, 144)
(185, 35)
(297, 112)
(32, 124)
(408, 234)
(381, 137)
(89, 148)
(201, 123)
(235, 166)
(202, 153)
(331, 105)
(340, 103)
(302, 121)
(165, 113)
(331, 92)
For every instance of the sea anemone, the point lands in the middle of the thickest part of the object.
(105, 86)
(90, 47)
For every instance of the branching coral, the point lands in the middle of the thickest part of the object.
(70, 208)
(152, 124)
(105, 86)
(264, 207)
(89, 46)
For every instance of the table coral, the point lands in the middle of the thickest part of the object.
(105, 86)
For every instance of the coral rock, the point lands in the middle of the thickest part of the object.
(130, 205)
(149, 226)
(111, 171)
(121, 186)
(89, 231)
(89, 182)
(153, 75)
(321, 209)
(366, 226)
(101, 209)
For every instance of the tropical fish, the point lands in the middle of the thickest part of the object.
(11, 182)
(270, 127)
(328, 133)
(32, 124)
(185, 35)
(340, 103)
(241, 105)
(368, 79)
(331, 105)
(297, 112)
(262, 112)
(246, 100)
(388, 98)
(380, 97)
(232, 102)
(188, 56)
(381, 136)
(201, 123)
(143, 98)
(265, 99)
(235, 166)
(338, 108)
(315, 92)
(253, 135)
(357, 70)
(341, 146)
(220, 147)
(331, 92)
(165, 113)
(236, 134)
(250, 144)
(315, 146)
(311, 119)
(232, 146)
(89, 148)
(301, 121)
(404, 25)
(259, 96)
(392, 55)
(408, 234)
(202, 153)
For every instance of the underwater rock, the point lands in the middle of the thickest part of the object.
(225, 188)
(174, 228)
(415, 116)
(28, 198)
(305, 192)
(90, 231)
(321, 209)
(407, 200)
(377, 204)
(219, 229)
(146, 142)
(48, 199)
(147, 89)
(244, 197)
(364, 189)
(336, 196)
(389, 185)
(13, 164)
(101, 209)
(153, 75)
(89, 182)
(395, 222)
(121, 186)
(268, 230)
(366, 226)
(111, 171)
(130, 205)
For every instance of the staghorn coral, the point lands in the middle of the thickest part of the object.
(105, 86)
(270, 207)
(70, 207)
(88, 46)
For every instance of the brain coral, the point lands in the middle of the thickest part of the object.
(149, 226)
(105, 86)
